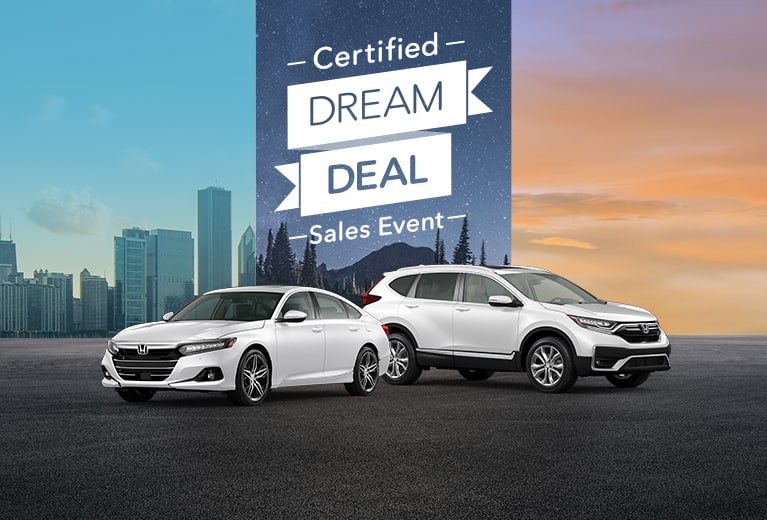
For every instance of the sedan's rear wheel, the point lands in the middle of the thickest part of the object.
(550, 366)
(253, 379)
(403, 368)
(365, 373)
(628, 380)
(135, 395)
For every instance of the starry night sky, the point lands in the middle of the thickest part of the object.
(292, 30)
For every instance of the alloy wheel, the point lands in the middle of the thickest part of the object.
(398, 359)
(547, 365)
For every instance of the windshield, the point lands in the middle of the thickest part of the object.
(233, 306)
(549, 288)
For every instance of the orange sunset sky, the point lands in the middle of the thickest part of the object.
(639, 145)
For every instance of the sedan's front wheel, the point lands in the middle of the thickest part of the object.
(253, 379)
(365, 373)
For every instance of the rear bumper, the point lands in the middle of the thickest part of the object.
(613, 360)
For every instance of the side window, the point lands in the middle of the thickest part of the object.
(402, 285)
(352, 312)
(477, 289)
(330, 308)
(299, 302)
(436, 286)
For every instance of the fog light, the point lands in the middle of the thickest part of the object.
(106, 372)
(209, 374)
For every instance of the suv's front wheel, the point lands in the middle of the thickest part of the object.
(550, 366)
(403, 368)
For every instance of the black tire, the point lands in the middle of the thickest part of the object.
(475, 375)
(135, 395)
(253, 379)
(403, 367)
(550, 366)
(628, 380)
(365, 373)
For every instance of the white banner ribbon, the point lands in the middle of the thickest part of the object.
(371, 175)
(382, 104)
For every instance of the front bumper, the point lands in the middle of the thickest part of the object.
(624, 360)
(183, 374)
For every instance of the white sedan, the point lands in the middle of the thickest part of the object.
(246, 341)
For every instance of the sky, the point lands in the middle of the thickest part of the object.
(639, 154)
(638, 140)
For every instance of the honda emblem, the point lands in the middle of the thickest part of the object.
(143, 350)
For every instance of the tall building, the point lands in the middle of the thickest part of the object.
(8, 254)
(246, 258)
(170, 271)
(214, 239)
(93, 301)
(13, 309)
(64, 296)
(130, 278)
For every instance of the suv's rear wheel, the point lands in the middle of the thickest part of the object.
(550, 366)
(403, 368)
(628, 380)
(475, 375)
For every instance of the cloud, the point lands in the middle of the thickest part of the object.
(51, 108)
(140, 159)
(68, 212)
(97, 114)
(538, 208)
(563, 242)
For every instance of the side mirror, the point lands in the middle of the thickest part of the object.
(293, 316)
(167, 316)
(503, 301)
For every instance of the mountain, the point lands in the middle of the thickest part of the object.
(353, 280)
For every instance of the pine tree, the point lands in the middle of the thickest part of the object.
(442, 252)
(260, 276)
(462, 253)
(482, 256)
(309, 273)
(436, 249)
(283, 258)
(268, 261)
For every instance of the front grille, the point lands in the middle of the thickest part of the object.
(156, 365)
(651, 362)
(634, 333)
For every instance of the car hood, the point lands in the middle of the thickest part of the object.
(605, 311)
(177, 331)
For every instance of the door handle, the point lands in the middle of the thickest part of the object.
(354, 328)
(316, 329)
(462, 309)
(411, 305)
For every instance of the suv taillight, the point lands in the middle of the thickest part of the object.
(370, 298)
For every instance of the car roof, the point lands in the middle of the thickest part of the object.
(452, 268)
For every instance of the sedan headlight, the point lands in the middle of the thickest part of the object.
(594, 324)
(112, 348)
(206, 346)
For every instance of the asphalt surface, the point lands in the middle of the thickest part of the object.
(689, 443)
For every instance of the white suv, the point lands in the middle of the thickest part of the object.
(484, 319)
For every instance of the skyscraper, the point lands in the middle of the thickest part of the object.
(246, 258)
(63, 306)
(93, 298)
(170, 271)
(214, 239)
(8, 254)
(130, 278)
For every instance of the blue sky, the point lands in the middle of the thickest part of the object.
(113, 114)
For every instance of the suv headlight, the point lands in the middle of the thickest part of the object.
(112, 348)
(206, 346)
(594, 324)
